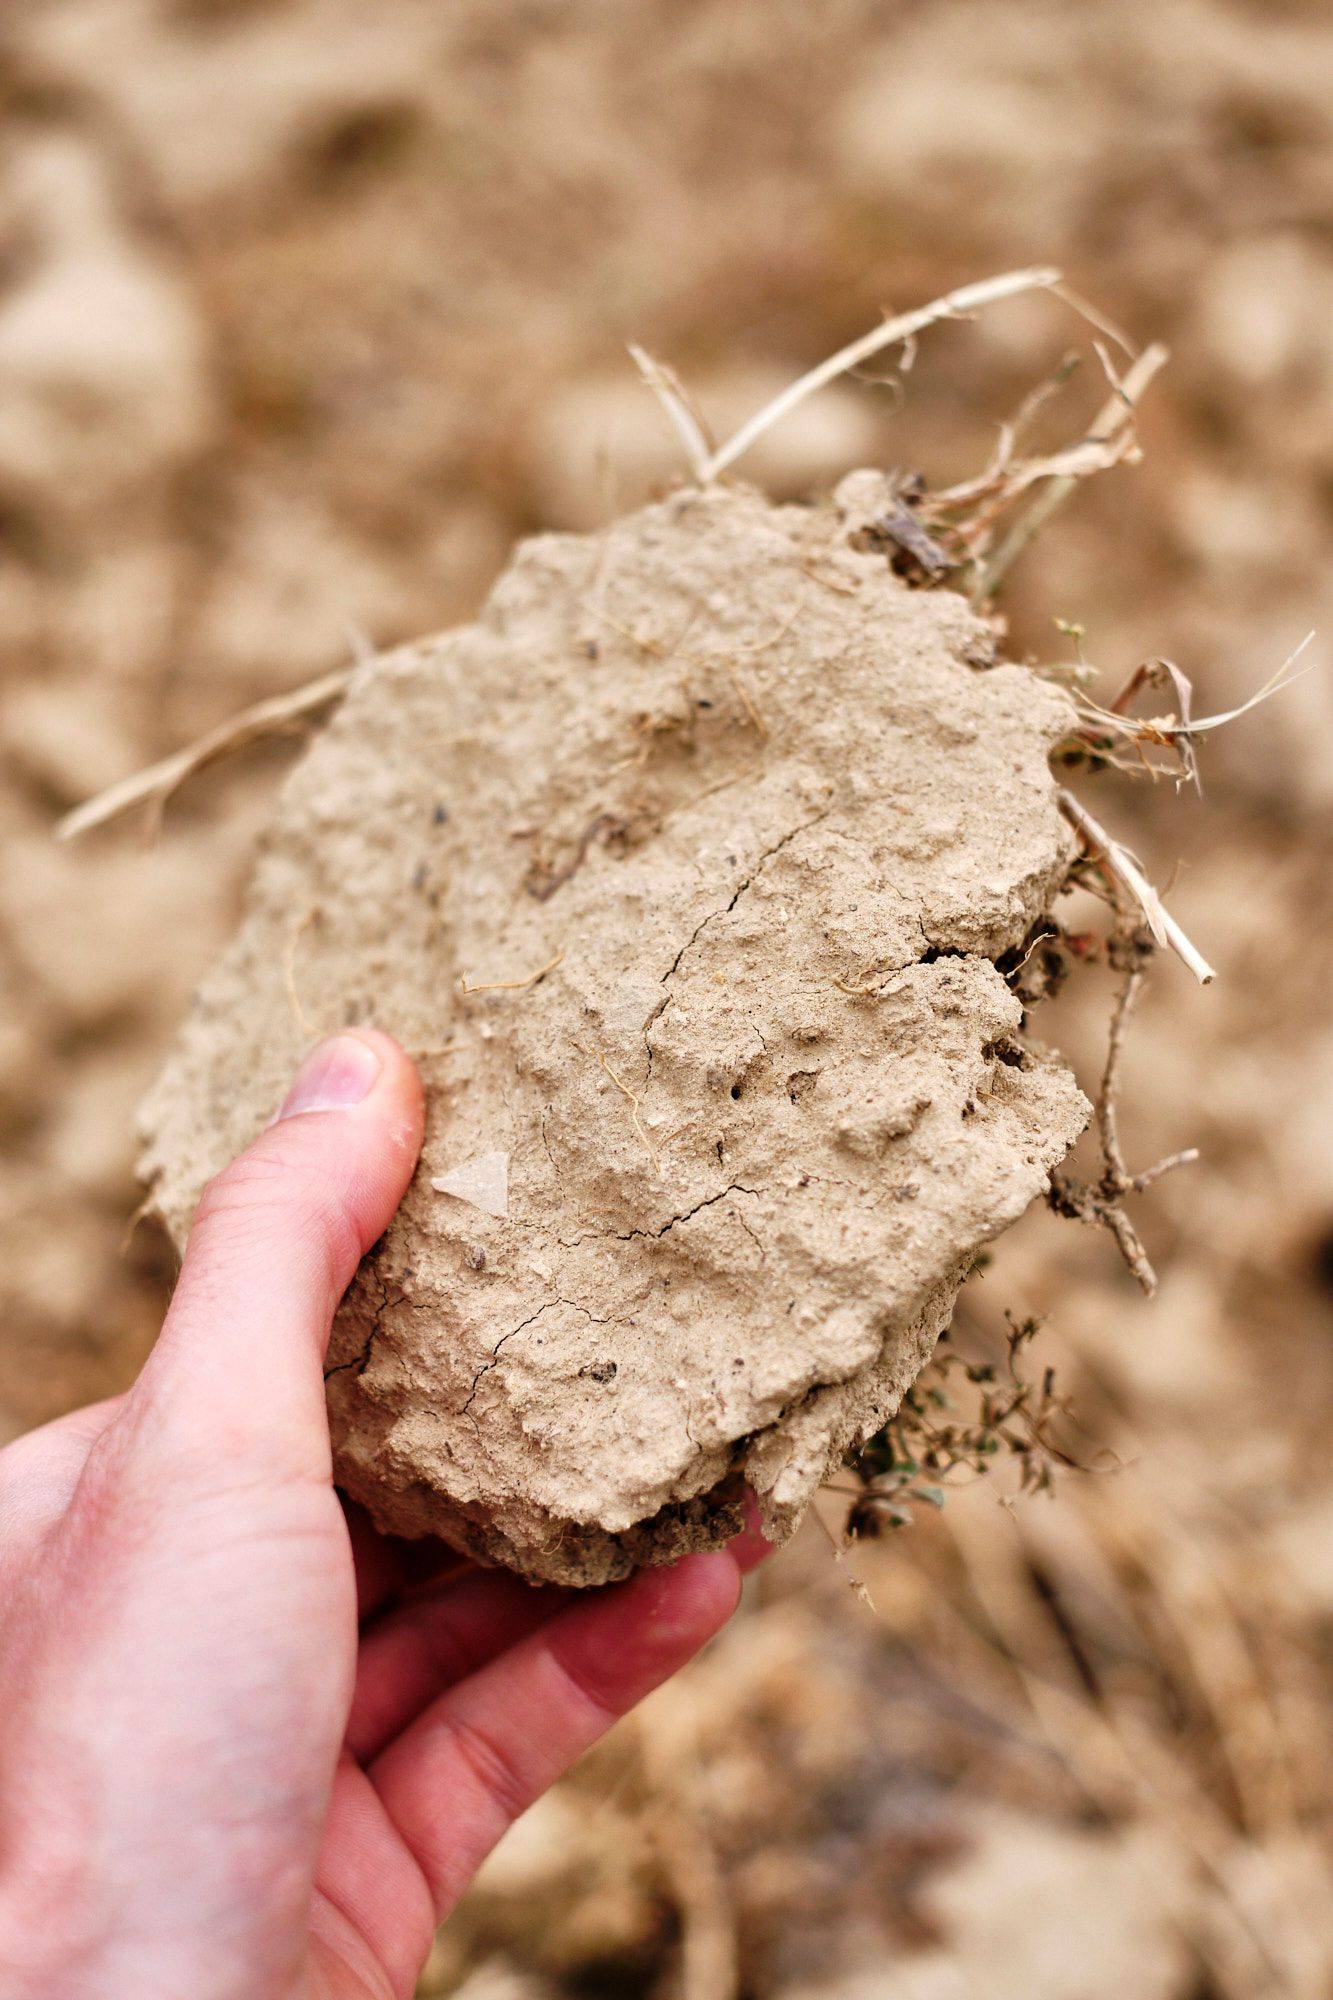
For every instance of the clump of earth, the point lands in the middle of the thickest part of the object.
(683, 872)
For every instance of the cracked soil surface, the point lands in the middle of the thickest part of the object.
(683, 872)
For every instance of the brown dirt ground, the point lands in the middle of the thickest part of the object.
(306, 309)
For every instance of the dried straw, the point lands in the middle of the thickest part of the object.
(155, 785)
(1107, 426)
(1120, 864)
(953, 305)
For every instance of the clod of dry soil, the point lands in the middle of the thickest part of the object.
(683, 870)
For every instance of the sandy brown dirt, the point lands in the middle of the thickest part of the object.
(694, 854)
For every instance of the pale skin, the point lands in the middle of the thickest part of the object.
(249, 1749)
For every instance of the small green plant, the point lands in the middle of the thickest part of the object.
(960, 1420)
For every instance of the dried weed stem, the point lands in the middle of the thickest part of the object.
(1126, 875)
(1102, 1203)
(154, 786)
(1111, 430)
(466, 989)
(953, 305)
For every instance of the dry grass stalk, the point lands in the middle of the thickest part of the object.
(891, 333)
(155, 786)
(1104, 732)
(682, 415)
(1126, 875)
(1103, 1202)
(466, 989)
(1111, 433)
(1095, 317)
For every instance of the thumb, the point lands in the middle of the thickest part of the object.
(237, 1374)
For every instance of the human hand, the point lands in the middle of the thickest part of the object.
(244, 1755)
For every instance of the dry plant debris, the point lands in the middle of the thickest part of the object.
(897, 330)
(745, 1051)
(961, 1419)
(154, 787)
(1111, 736)
(969, 527)
(1103, 1202)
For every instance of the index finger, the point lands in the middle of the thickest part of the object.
(479, 1755)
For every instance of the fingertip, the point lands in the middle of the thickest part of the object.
(751, 1546)
(713, 1583)
(536, 1708)
(399, 1094)
(684, 1604)
(351, 1126)
(359, 1069)
(620, 1642)
(400, 1073)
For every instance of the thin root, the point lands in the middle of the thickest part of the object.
(634, 1101)
(509, 985)
(1103, 1203)
(299, 1015)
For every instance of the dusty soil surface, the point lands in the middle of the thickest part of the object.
(308, 312)
(695, 852)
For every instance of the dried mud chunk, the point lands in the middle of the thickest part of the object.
(689, 861)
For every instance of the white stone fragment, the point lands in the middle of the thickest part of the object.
(483, 1181)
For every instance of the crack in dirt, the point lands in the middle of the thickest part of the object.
(361, 1359)
(493, 1358)
(754, 1238)
(655, 1235)
(494, 1355)
(711, 917)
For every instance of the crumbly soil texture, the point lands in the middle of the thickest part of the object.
(683, 872)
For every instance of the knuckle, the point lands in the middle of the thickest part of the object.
(495, 1770)
(583, 1682)
(266, 1195)
(98, 1496)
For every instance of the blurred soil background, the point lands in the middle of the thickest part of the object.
(307, 309)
